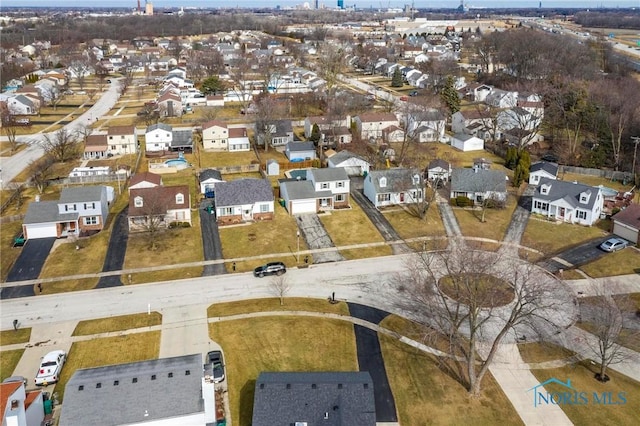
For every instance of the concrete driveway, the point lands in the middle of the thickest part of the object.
(582, 254)
(210, 241)
(114, 259)
(316, 237)
(27, 267)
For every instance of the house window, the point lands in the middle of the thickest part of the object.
(264, 208)
(539, 205)
(384, 197)
(339, 197)
(226, 211)
(122, 137)
(324, 185)
(138, 202)
(179, 199)
(339, 184)
(581, 214)
(416, 179)
(90, 220)
(110, 138)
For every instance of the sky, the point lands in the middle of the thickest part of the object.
(329, 3)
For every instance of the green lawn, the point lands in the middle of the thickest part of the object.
(118, 323)
(8, 362)
(273, 304)
(551, 237)
(11, 337)
(279, 344)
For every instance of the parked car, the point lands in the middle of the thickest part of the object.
(404, 98)
(614, 244)
(50, 368)
(271, 268)
(413, 93)
(215, 365)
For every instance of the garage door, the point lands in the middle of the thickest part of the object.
(302, 206)
(625, 232)
(46, 230)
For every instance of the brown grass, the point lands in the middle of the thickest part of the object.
(495, 224)
(12, 337)
(622, 262)
(551, 237)
(536, 352)
(9, 361)
(9, 254)
(409, 226)
(117, 323)
(273, 304)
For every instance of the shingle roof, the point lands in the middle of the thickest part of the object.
(328, 175)
(121, 130)
(46, 212)
(300, 146)
(181, 138)
(243, 191)
(302, 190)
(568, 191)
(95, 141)
(158, 197)
(438, 162)
(81, 194)
(551, 168)
(629, 216)
(6, 390)
(145, 177)
(399, 179)
(478, 180)
(344, 155)
(160, 126)
(210, 174)
(126, 402)
(330, 399)
(377, 117)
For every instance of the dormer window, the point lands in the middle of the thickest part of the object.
(416, 179)
(544, 189)
(383, 182)
(179, 199)
(584, 197)
(138, 202)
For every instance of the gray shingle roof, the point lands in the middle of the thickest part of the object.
(243, 191)
(438, 162)
(300, 146)
(302, 190)
(399, 179)
(127, 402)
(343, 155)
(551, 168)
(182, 138)
(210, 174)
(327, 175)
(327, 399)
(478, 180)
(568, 191)
(160, 126)
(81, 194)
(46, 212)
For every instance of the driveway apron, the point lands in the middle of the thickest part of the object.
(210, 241)
(27, 267)
(114, 260)
(575, 256)
(316, 237)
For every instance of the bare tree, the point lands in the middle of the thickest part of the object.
(265, 120)
(10, 127)
(40, 172)
(152, 215)
(242, 83)
(61, 145)
(473, 301)
(331, 62)
(81, 68)
(280, 286)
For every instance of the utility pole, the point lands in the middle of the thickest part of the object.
(636, 141)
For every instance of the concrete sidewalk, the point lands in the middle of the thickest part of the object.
(621, 284)
(185, 331)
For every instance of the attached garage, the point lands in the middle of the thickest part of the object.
(40, 230)
(626, 224)
(301, 206)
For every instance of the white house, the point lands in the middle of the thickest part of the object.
(542, 169)
(238, 139)
(158, 137)
(300, 151)
(479, 185)
(371, 125)
(350, 162)
(19, 406)
(322, 189)
(244, 200)
(394, 186)
(215, 135)
(122, 140)
(465, 142)
(570, 202)
(161, 204)
(439, 169)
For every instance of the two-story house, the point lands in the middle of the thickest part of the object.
(122, 140)
(158, 137)
(321, 189)
(394, 186)
(570, 202)
(371, 126)
(215, 136)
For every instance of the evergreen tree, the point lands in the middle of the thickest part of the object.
(511, 159)
(449, 96)
(315, 134)
(518, 176)
(525, 163)
(396, 80)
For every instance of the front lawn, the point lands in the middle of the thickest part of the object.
(622, 262)
(409, 226)
(495, 224)
(9, 253)
(12, 337)
(552, 237)
(8, 362)
(118, 323)
(273, 304)
(536, 352)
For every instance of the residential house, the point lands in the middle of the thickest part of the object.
(215, 100)
(502, 98)
(79, 211)
(300, 151)
(325, 124)
(122, 140)
(244, 200)
(542, 169)
(353, 164)
(95, 147)
(428, 126)
(280, 131)
(319, 190)
(158, 137)
(569, 202)
(215, 135)
(21, 105)
(472, 121)
(482, 163)
(394, 186)
(165, 391)
(182, 140)
(144, 180)
(465, 142)
(158, 207)
(370, 126)
(393, 134)
(331, 398)
(238, 139)
(626, 223)
(439, 170)
(170, 105)
(479, 185)
(20, 407)
(476, 92)
(208, 179)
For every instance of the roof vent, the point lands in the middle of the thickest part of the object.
(153, 377)
(116, 382)
(98, 385)
(81, 387)
(134, 380)
(314, 386)
(170, 375)
(261, 385)
(187, 373)
(288, 385)
(339, 385)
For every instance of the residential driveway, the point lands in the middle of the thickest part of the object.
(114, 259)
(210, 241)
(28, 267)
(379, 221)
(519, 220)
(316, 237)
(370, 359)
(576, 256)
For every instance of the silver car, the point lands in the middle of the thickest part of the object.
(613, 244)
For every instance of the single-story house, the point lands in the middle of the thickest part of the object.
(439, 169)
(300, 151)
(465, 142)
(159, 206)
(313, 398)
(542, 169)
(626, 223)
(244, 200)
(208, 179)
(394, 186)
(479, 185)
(238, 139)
(352, 163)
(570, 202)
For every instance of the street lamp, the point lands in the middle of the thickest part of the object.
(298, 241)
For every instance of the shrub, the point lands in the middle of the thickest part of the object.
(462, 201)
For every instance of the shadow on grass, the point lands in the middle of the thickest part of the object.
(246, 402)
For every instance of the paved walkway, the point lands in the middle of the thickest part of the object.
(451, 227)
(621, 284)
(316, 237)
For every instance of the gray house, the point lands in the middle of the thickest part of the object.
(353, 164)
(570, 202)
(300, 151)
(479, 184)
(326, 398)
(542, 169)
(159, 391)
(394, 186)
(244, 200)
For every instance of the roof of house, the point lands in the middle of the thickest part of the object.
(629, 216)
(237, 132)
(160, 126)
(182, 138)
(464, 137)
(342, 156)
(327, 175)
(121, 130)
(47, 212)
(300, 146)
(283, 127)
(301, 189)
(145, 177)
(399, 179)
(134, 393)
(438, 162)
(6, 390)
(567, 191)
(327, 398)
(95, 141)
(478, 180)
(475, 114)
(158, 198)
(243, 191)
(377, 117)
(207, 174)
(213, 123)
(81, 194)
(551, 168)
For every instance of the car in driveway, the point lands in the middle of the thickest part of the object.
(215, 366)
(50, 368)
(614, 244)
(271, 268)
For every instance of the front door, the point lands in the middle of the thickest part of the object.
(561, 214)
